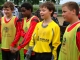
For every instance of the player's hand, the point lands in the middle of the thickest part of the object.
(12, 49)
(15, 49)
(27, 57)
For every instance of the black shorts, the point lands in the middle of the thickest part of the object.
(43, 56)
(7, 55)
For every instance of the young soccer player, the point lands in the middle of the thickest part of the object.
(8, 31)
(28, 24)
(46, 36)
(70, 49)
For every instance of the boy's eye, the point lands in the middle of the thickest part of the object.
(23, 10)
(43, 10)
(40, 10)
(6, 9)
(63, 11)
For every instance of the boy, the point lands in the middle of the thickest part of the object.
(8, 31)
(46, 36)
(54, 17)
(70, 49)
(28, 24)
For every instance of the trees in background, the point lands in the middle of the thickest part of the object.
(2, 2)
(30, 1)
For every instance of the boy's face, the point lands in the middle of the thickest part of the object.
(45, 13)
(7, 11)
(55, 15)
(25, 12)
(67, 14)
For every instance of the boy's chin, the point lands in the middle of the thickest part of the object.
(42, 17)
(66, 20)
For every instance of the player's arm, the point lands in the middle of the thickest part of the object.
(28, 35)
(78, 38)
(34, 37)
(22, 33)
(32, 42)
(21, 21)
(18, 32)
(56, 41)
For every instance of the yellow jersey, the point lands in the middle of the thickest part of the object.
(46, 39)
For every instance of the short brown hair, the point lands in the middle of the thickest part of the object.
(72, 5)
(8, 5)
(49, 5)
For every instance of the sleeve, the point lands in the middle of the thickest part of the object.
(56, 41)
(18, 32)
(28, 34)
(78, 38)
(22, 33)
(21, 28)
(34, 37)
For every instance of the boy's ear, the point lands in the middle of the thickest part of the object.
(51, 11)
(74, 11)
(12, 10)
(29, 9)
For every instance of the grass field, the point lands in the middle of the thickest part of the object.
(0, 56)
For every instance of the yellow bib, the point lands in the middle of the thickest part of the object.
(26, 27)
(8, 31)
(69, 50)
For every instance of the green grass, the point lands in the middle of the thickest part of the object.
(0, 56)
(21, 54)
(0, 53)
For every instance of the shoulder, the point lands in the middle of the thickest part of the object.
(39, 24)
(2, 18)
(78, 30)
(16, 18)
(78, 27)
(53, 24)
(35, 18)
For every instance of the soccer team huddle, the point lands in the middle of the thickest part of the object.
(40, 39)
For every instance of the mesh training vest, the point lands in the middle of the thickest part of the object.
(26, 27)
(69, 50)
(8, 31)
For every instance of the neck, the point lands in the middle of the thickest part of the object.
(75, 19)
(47, 20)
(29, 16)
(8, 17)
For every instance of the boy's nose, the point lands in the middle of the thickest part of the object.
(62, 14)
